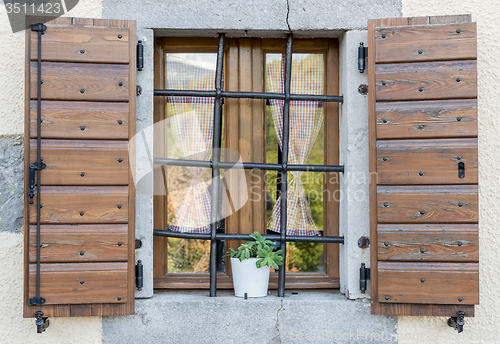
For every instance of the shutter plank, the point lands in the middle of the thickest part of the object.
(60, 283)
(402, 161)
(437, 80)
(455, 243)
(65, 81)
(88, 44)
(63, 204)
(426, 43)
(65, 244)
(444, 283)
(81, 120)
(439, 204)
(71, 162)
(427, 119)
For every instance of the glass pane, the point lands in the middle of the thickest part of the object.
(189, 131)
(306, 147)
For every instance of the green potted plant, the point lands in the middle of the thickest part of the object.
(251, 265)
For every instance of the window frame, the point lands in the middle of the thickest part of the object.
(255, 48)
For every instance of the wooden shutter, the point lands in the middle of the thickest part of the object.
(423, 126)
(87, 192)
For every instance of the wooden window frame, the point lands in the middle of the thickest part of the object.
(244, 71)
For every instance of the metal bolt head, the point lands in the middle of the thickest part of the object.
(120, 160)
(421, 89)
(120, 122)
(384, 121)
(386, 204)
(386, 297)
(420, 52)
(421, 127)
(119, 206)
(384, 36)
(385, 158)
(82, 174)
(422, 280)
(82, 128)
(422, 250)
(459, 243)
(422, 212)
(458, 79)
(82, 91)
(386, 244)
(82, 253)
(420, 173)
(459, 119)
(120, 83)
(460, 204)
(119, 298)
(384, 83)
(82, 51)
(460, 299)
(82, 213)
(120, 244)
(82, 282)
(459, 158)
(458, 31)
(120, 36)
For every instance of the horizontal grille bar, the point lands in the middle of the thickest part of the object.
(272, 237)
(249, 165)
(252, 95)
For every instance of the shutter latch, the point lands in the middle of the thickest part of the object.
(362, 57)
(41, 322)
(457, 322)
(139, 275)
(34, 167)
(364, 275)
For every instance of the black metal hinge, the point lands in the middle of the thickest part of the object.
(139, 275)
(38, 27)
(457, 322)
(41, 322)
(34, 167)
(362, 57)
(140, 56)
(364, 275)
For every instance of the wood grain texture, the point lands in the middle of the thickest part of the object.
(83, 162)
(63, 204)
(426, 161)
(426, 80)
(66, 81)
(427, 119)
(80, 243)
(416, 309)
(443, 283)
(88, 44)
(81, 120)
(453, 243)
(427, 204)
(426, 43)
(62, 283)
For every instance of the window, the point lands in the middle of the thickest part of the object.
(248, 128)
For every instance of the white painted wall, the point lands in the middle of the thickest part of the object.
(13, 328)
(483, 327)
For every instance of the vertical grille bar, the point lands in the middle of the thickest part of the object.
(284, 162)
(216, 145)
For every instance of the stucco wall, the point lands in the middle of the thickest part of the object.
(13, 328)
(482, 328)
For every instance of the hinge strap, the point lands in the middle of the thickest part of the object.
(38, 166)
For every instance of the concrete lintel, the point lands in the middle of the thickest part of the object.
(193, 317)
(144, 165)
(354, 212)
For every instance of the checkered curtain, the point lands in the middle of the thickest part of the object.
(306, 118)
(191, 120)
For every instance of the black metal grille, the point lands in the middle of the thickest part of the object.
(216, 164)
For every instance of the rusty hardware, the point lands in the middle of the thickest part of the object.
(363, 89)
(138, 244)
(364, 242)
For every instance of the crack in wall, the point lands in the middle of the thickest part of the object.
(278, 334)
(288, 15)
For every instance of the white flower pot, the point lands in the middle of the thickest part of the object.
(249, 279)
